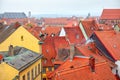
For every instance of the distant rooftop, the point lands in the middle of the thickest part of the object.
(13, 15)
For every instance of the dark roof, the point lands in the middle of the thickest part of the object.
(1, 15)
(13, 15)
(6, 31)
(22, 58)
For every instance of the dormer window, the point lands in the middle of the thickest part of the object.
(47, 50)
(77, 36)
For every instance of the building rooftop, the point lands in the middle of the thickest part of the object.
(74, 34)
(111, 42)
(6, 31)
(22, 58)
(14, 15)
(89, 26)
(80, 69)
(110, 14)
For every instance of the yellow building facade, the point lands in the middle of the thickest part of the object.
(21, 37)
(23, 65)
(8, 72)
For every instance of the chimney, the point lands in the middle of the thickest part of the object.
(40, 46)
(72, 51)
(11, 50)
(92, 63)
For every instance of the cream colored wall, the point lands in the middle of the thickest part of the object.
(29, 41)
(30, 69)
(7, 72)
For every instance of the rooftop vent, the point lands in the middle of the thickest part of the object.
(22, 59)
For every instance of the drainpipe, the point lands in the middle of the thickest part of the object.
(40, 52)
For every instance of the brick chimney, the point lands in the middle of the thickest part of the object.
(72, 51)
(92, 63)
(11, 50)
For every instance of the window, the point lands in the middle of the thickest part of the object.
(39, 68)
(50, 68)
(22, 38)
(77, 36)
(45, 61)
(56, 66)
(35, 71)
(23, 78)
(44, 70)
(28, 76)
(32, 74)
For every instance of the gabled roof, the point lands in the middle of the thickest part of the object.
(51, 30)
(54, 48)
(5, 32)
(35, 31)
(79, 69)
(14, 15)
(74, 34)
(89, 26)
(110, 14)
(111, 42)
(90, 49)
(48, 51)
(55, 21)
(22, 58)
(61, 48)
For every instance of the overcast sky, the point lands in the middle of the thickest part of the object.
(58, 6)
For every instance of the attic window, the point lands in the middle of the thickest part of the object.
(92, 28)
(45, 61)
(53, 60)
(22, 59)
(22, 39)
(77, 36)
(47, 50)
(114, 46)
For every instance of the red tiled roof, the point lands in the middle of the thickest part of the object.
(60, 44)
(90, 49)
(72, 24)
(89, 26)
(51, 30)
(105, 27)
(111, 41)
(79, 69)
(52, 21)
(74, 34)
(20, 20)
(35, 31)
(50, 48)
(110, 14)
(48, 51)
